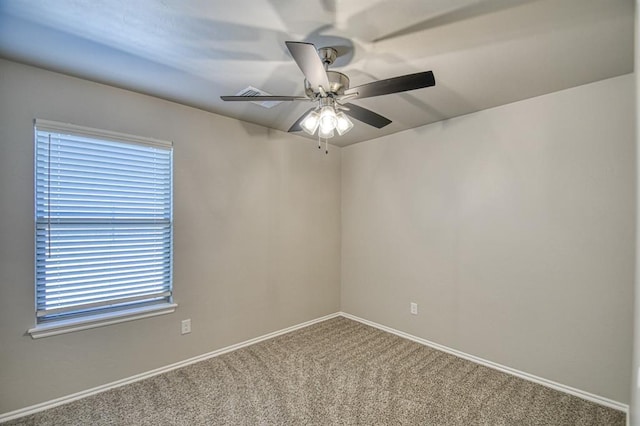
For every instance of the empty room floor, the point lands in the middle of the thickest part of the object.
(337, 372)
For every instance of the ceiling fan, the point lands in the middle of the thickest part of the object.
(330, 90)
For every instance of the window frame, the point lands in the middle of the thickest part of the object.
(106, 316)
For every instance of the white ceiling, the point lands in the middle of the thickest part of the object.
(483, 53)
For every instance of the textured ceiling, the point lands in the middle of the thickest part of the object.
(483, 53)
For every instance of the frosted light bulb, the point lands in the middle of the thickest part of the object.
(328, 119)
(311, 122)
(343, 124)
(326, 135)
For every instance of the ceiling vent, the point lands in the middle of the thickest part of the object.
(252, 91)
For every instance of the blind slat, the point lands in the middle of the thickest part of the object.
(102, 285)
(89, 271)
(111, 301)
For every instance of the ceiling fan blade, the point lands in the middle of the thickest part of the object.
(295, 127)
(306, 56)
(366, 116)
(264, 98)
(402, 83)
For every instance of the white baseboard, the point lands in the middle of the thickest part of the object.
(521, 374)
(530, 377)
(83, 394)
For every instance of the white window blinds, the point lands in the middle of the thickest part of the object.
(103, 207)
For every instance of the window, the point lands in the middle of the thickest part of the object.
(103, 227)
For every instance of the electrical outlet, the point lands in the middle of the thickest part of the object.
(186, 326)
(414, 308)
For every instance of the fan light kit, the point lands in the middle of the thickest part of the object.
(326, 120)
(330, 89)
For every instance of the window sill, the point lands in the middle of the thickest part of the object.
(77, 324)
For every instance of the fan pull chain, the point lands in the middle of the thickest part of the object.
(326, 144)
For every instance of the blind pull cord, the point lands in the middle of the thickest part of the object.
(49, 196)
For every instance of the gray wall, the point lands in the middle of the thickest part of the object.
(512, 228)
(257, 236)
(634, 410)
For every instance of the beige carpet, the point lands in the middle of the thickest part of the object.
(338, 372)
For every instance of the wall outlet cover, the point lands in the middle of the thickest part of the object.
(186, 326)
(414, 308)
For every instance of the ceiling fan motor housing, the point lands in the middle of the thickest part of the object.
(338, 83)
